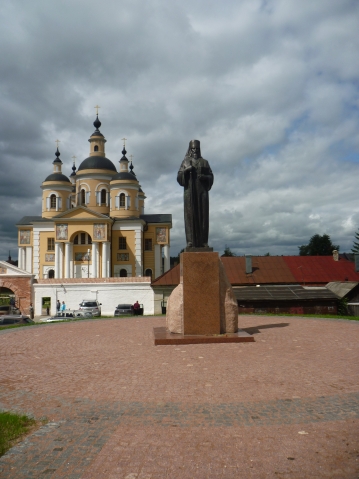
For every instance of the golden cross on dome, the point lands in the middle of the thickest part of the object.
(124, 141)
(57, 143)
(131, 156)
(74, 158)
(97, 107)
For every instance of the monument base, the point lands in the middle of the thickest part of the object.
(163, 337)
(202, 249)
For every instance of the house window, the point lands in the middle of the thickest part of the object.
(103, 197)
(50, 244)
(122, 242)
(122, 200)
(123, 257)
(148, 244)
(53, 201)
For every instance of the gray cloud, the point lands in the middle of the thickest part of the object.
(269, 87)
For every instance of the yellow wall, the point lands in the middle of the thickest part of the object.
(63, 194)
(130, 248)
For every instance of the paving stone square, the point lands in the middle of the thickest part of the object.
(118, 407)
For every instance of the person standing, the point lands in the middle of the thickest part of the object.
(63, 308)
(136, 308)
(58, 306)
(31, 310)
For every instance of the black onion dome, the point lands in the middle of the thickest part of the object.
(57, 159)
(124, 176)
(97, 125)
(97, 163)
(57, 177)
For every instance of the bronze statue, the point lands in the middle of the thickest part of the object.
(196, 176)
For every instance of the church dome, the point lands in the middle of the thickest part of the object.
(124, 176)
(57, 177)
(97, 163)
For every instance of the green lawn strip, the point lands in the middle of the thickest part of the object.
(330, 316)
(13, 427)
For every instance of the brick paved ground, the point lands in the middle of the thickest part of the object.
(286, 406)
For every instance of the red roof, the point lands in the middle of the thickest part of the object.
(320, 269)
(314, 270)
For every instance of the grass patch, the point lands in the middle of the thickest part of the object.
(12, 428)
(331, 316)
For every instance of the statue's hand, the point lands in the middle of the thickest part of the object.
(188, 169)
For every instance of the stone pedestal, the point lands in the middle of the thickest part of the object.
(201, 302)
(202, 307)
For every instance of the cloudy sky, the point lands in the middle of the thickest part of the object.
(270, 87)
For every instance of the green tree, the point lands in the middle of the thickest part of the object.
(228, 252)
(318, 246)
(355, 248)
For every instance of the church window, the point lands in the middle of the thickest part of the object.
(123, 273)
(83, 197)
(148, 244)
(103, 197)
(50, 244)
(122, 243)
(53, 201)
(148, 272)
(96, 148)
(51, 274)
(82, 238)
(122, 200)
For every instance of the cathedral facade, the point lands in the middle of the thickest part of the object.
(93, 223)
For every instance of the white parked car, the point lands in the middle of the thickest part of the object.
(92, 306)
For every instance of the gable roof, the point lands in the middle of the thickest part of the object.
(79, 211)
(307, 270)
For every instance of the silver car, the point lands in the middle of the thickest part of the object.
(92, 306)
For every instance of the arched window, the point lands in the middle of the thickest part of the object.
(103, 197)
(96, 148)
(53, 201)
(83, 197)
(82, 238)
(123, 273)
(122, 200)
(148, 272)
(51, 274)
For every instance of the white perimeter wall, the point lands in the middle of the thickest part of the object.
(109, 294)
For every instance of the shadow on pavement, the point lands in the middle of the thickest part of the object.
(256, 329)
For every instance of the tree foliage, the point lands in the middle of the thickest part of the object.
(228, 252)
(318, 246)
(355, 248)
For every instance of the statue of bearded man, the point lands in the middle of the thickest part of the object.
(196, 176)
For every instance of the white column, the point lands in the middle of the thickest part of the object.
(67, 259)
(166, 254)
(105, 259)
(71, 259)
(158, 260)
(58, 260)
(94, 259)
(29, 259)
(19, 258)
(23, 258)
(57, 256)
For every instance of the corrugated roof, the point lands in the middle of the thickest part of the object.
(320, 269)
(265, 270)
(281, 293)
(341, 288)
(305, 270)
